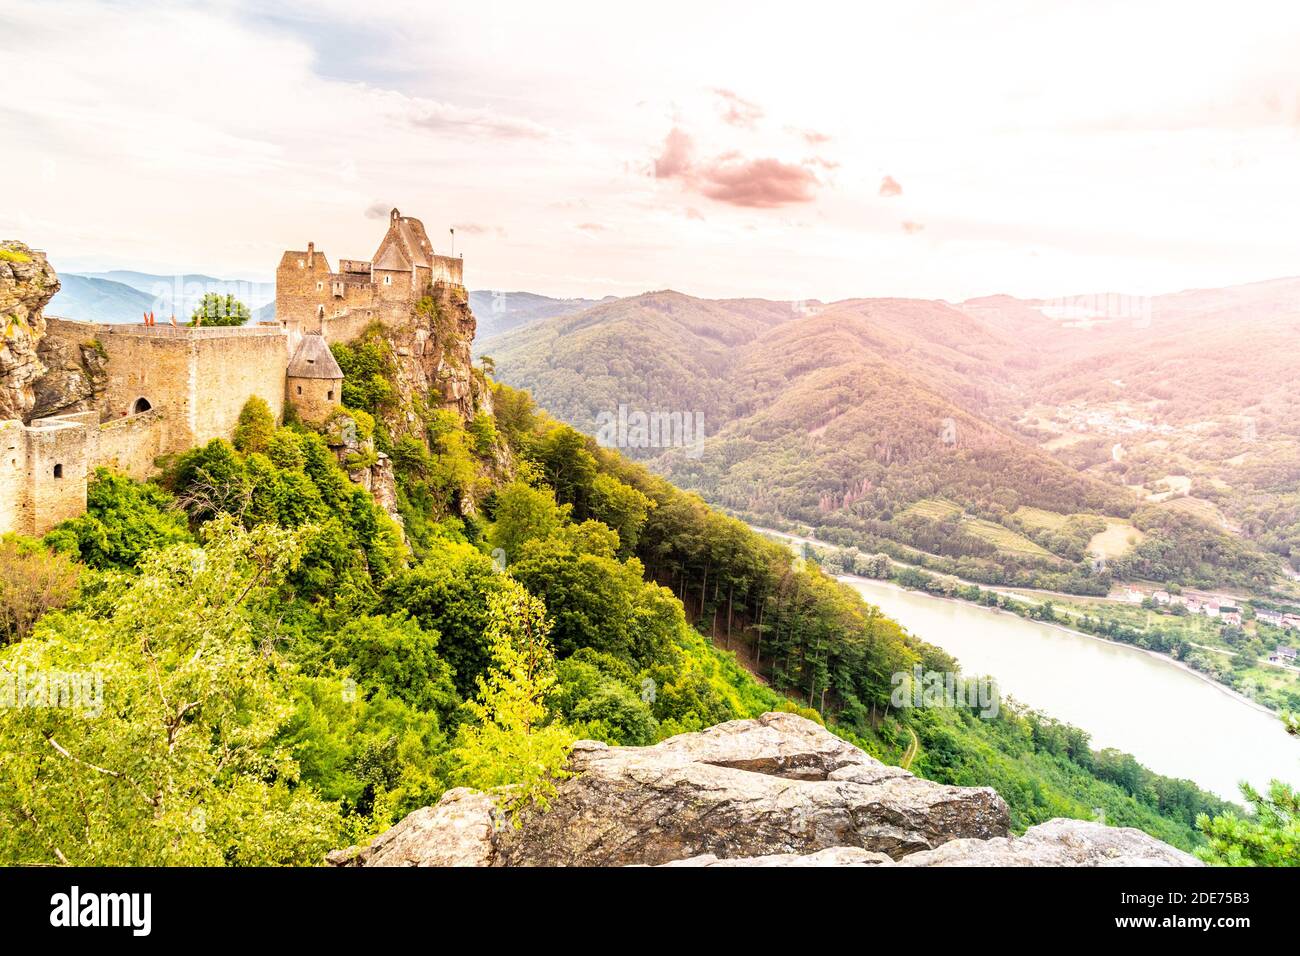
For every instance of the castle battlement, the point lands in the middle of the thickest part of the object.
(312, 297)
(96, 329)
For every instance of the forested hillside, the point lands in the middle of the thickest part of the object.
(930, 431)
(283, 669)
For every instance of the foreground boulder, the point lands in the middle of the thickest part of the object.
(779, 790)
(1059, 842)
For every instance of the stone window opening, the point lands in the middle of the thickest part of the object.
(329, 396)
(58, 471)
(301, 264)
(388, 280)
(299, 389)
(140, 405)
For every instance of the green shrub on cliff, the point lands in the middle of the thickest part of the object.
(123, 521)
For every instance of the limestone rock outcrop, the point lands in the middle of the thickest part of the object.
(27, 283)
(75, 378)
(1059, 842)
(365, 465)
(433, 361)
(779, 790)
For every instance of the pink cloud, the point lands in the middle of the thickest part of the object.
(676, 157)
(814, 138)
(761, 183)
(732, 178)
(889, 187)
(737, 111)
(912, 228)
(590, 227)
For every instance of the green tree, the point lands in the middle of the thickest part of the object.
(32, 581)
(218, 309)
(395, 655)
(1270, 837)
(621, 507)
(448, 593)
(524, 514)
(514, 748)
(168, 755)
(123, 520)
(256, 426)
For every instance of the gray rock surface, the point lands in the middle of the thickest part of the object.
(778, 790)
(1059, 842)
(27, 283)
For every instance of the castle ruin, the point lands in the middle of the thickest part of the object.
(123, 395)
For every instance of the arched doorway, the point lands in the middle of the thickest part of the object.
(141, 405)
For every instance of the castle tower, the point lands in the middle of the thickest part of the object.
(314, 381)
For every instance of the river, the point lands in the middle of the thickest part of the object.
(1172, 720)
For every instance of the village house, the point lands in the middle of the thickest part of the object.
(1283, 655)
(1268, 617)
(1230, 615)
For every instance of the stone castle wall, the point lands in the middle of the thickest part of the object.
(201, 377)
(131, 445)
(302, 289)
(449, 269)
(348, 327)
(15, 514)
(166, 390)
(314, 398)
(43, 471)
(227, 371)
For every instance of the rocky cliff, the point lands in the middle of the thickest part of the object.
(75, 378)
(433, 363)
(27, 283)
(779, 790)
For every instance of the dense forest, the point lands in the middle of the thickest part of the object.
(284, 669)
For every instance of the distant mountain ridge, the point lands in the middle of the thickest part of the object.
(98, 300)
(920, 422)
(121, 295)
(498, 311)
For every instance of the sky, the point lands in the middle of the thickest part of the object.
(936, 149)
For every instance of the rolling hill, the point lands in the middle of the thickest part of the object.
(843, 416)
(499, 311)
(98, 300)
